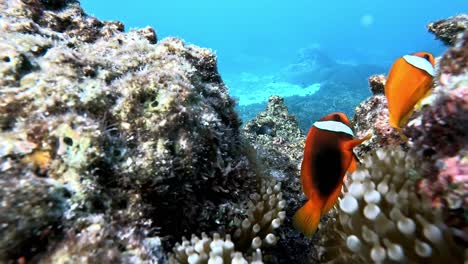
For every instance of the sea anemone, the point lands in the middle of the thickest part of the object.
(382, 219)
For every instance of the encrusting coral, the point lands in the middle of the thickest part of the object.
(447, 30)
(371, 117)
(377, 84)
(99, 242)
(265, 214)
(382, 219)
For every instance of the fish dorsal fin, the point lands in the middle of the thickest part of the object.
(420, 63)
(334, 126)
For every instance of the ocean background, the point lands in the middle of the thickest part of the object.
(316, 54)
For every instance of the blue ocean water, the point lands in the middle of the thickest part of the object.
(293, 47)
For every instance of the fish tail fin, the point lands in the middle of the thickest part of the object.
(307, 218)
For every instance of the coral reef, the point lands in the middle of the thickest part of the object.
(447, 30)
(100, 242)
(454, 65)
(448, 189)
(114, 145)
(371, 117)
(275, 126)
(409, 204)
(31, 211)
(438, 136)
(138, 130)
(264, 215)
(279, 144)
(377, 84)
(381, 218)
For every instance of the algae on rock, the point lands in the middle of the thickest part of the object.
(139, 130)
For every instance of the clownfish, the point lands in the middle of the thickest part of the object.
(408, 82)
(328, 155)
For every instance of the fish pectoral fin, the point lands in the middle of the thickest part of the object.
(353, 166)
(307, 218)
(419, 104)
(349, 145)
(417, 107)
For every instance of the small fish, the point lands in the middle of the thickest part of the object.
(409, 81)
(328, 154)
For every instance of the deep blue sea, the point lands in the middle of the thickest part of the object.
(317, 54)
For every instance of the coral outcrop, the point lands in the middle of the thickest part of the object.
(99, 242)
(447, 30)
(377, 84)
(31, 211)
(279, 143)
(371, 117)
(96, 121)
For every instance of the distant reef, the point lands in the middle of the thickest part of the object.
(117, 147)
(341, 86)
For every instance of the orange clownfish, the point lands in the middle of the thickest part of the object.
(409, 81)
(328, 154)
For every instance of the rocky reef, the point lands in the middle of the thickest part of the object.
(110, 136)
(371, 117)
(447, 30)
(117, 147)
(275, 135)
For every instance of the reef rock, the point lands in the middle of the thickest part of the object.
(279, 144)
(371, 117)
(377, 84)
(447, 30)
(438, 135)
(139, 131)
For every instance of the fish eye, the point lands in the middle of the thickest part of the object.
(336, 117)
(427, 57)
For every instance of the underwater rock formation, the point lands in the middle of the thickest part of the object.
(141, 132)
(371, 117)
(99, 242)
(31, 211)
(279, 144)
(447, 30)
(275, 127)
(377, 84)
